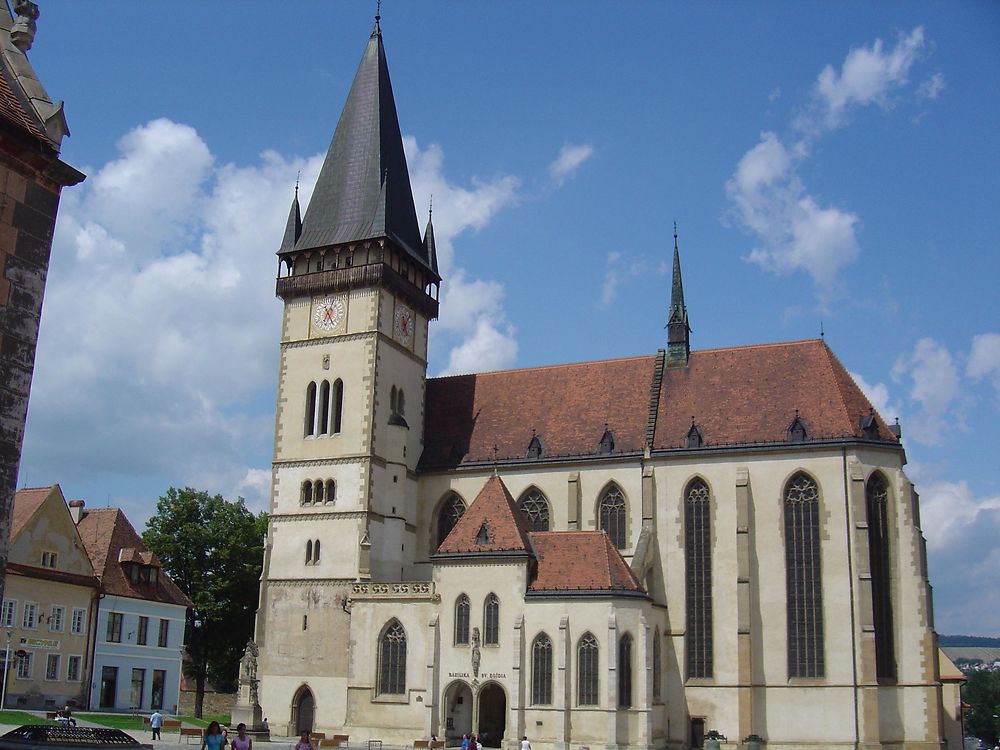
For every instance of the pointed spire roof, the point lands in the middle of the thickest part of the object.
(495, 511)
(678, 329)
(293, 227)
(677, 309)
(363, 190)
(430, 249)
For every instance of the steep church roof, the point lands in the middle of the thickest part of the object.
(363, 189)
(740, 396)
(579, 561)
(491, 524)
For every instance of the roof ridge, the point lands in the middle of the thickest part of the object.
(534, 368)
(767, 345)
(831, 358)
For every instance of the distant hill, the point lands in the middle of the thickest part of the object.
(968, 641)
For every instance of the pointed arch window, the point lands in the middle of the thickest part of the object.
(318, 491)
(625, 671)
(804, 589)
(331, 491)
(401, 403)
(338, 406)
(316, 552)
(698, 591)
(587, 674)
(309, 552)
(535, 508)
(657, 670)
(392, 660)
(451, 510)
(491, 620)
(310, 413)
(462, 612)
(611, 515)
(541, 670)
(877, 501)
(307, 493)
(324, 408)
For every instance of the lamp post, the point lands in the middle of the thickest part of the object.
(6, 669)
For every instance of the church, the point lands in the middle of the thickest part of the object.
(626, 553)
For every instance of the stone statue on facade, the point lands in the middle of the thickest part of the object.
(247, 709)
(476, 655)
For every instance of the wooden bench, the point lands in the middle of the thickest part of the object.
(343, 739)
(166, 724)
(437, 744)
(332, 742)
(190, 732)
(421, 744)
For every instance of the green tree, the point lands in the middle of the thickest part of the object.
(213, 549)
(982, 692)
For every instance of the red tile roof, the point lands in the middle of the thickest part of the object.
(743, 395)
(49, 574)
(580, 561)
(16, 112)
(750, 394)
(106, 534)
(26, 502)
(506, 529)
(567, 405)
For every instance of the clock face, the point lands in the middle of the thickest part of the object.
(329, 313)
(404, 324)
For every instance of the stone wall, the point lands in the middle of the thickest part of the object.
(215, 703)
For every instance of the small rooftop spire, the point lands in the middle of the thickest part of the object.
(678, 330)
(430, 249)
(293, 227)
(378, 18)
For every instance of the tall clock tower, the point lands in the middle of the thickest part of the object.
(359, 286)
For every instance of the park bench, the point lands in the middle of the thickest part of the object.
(436, 744)
(342, 739)
(167, 723)
(190, 732)
(421, 744)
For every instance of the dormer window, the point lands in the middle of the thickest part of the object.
(797, 432)
(607, 443)
(50, 559)
(694, 438)
(483, 535)
(534, 447)
(869, 426)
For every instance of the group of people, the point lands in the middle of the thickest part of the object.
(471, 742)
(217, 738)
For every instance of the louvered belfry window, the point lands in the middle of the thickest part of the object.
(698, 566)
(877, 501)
(804, 593)
(462, 610)
(536, 510)
(392, 660)
(451, 510)
(587, 670)
(541, 670)
(612, 516)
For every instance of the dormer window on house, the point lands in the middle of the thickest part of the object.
(797, 432)
(138, 573)
(535, 449)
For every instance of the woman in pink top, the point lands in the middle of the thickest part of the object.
(304, 743)
(241, 741)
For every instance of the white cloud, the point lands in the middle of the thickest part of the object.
(868, 75)
(984, 359)
(794, 232)
(933, 383)
(947, 509)
(618, 270)
(571, 157)
(878, 395)
(489, 347)
(931, 88)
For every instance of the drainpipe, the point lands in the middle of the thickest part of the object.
(850, 581)
(92, 646)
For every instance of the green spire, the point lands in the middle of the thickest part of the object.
(678, 330)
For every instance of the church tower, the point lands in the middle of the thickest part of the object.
(359, 285)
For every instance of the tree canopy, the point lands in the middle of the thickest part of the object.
(213, 549)
(982, 693)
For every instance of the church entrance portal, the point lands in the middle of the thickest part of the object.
(303, 711)
(457, 710)
(492, 715)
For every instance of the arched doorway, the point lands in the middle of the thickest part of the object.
(492, 715)
(457, 710)
(303, 711)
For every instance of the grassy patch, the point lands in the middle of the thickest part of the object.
(17, 718)
(125, 722)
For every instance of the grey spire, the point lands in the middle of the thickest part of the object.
(293, 227)
(363, 189)
(678, 330)
(430, 250)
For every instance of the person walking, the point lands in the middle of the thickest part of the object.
(465, 742)
(156, 723)
(214, 739)
(241, 741)
(525, 745)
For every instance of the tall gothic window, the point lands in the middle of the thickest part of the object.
(587, 673)
(310, 415)
(451, 510)
(698, 566)
(535, 508)
(612, 515)
(491, 620)
(657, 671)
(392, 660)
(804, 593)
(316, 552)
(462, 611)
(877, 500)
(338, 405)
(625, 671)
(541, 670)
(324, 408)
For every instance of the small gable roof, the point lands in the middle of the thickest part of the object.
(580, 561)
(110, 540)
(505, 528)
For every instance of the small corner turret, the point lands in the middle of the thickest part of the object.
(678, 329)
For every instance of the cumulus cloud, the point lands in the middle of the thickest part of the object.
(878, 395)
(618, 270)
(931, 88)
(795, 230)
(571, 157)
(932, 378)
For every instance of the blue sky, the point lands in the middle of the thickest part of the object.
(824, 162)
